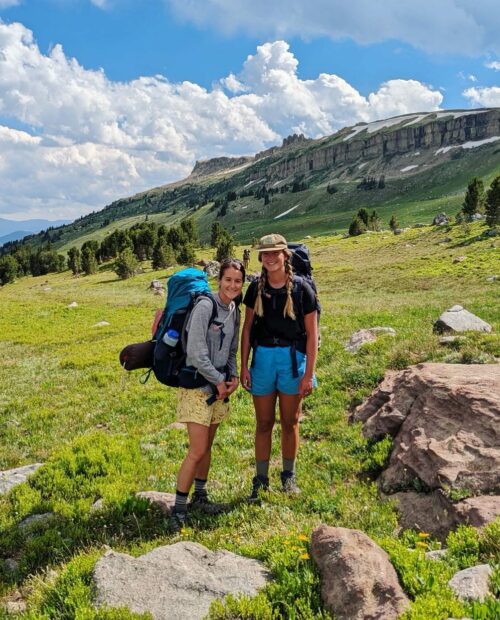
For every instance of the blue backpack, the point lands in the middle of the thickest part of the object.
(165, 354)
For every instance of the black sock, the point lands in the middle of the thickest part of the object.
(200, 486)
(181, 501)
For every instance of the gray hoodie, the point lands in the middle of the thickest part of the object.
(205, 349)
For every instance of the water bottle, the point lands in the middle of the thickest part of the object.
(171, 338)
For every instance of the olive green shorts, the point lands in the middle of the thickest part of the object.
(192, 407)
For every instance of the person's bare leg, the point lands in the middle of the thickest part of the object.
(204, 465)
(289, 417)
(198, 447)
(265, 416)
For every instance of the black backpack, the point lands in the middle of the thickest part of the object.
(301, 265)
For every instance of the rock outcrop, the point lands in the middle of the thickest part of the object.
(398, 136)
(472, 583)
(445, 420)
(218, 164)
(175, 582)
(12, 477)
(358, 582)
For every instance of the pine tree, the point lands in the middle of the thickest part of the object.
(9, 268)
(393, 223)
(493, 203)
(216, 232)
(374, 222)
(74, 260)
(163, 256)
(126, 264)
(225, 247)
(186, 255)
(474, 199)
(363, 216)
(89, 262)
(357, 227)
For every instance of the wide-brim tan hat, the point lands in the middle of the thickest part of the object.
(272, 243)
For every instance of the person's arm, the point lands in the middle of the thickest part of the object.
(311, 325)
(197, 349)
(246, 380)
(233, 381)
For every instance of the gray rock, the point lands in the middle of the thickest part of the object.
(101, 324)
(471, 583)
(459, 259)
(398, 231)
(440, 220)
(212, 269)
(358, 581)
(164, 501)
(458, 319)
(175, 582)
(12, 477)
(11, 565)
(491, 278)
(73, 304)
(437, 554)
(363, 336)
(477, 216)
(38, 519)
(97, 505)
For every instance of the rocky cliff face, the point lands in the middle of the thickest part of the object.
(396, 136)
(209, 166)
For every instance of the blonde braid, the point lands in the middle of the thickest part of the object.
(259, 306)
(289, 310)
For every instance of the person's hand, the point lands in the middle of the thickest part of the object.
(246, 379)
(222, 390)
(232, 385)
(305, 386)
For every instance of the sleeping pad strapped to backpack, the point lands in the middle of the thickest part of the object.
(168, 359)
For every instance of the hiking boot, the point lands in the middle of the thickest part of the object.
(177, 521)
(200, 501)
(289, 483)
(259, 483)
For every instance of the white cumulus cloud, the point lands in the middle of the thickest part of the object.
(494, 64)
(88, 140)
(456, 26)
(488, 97)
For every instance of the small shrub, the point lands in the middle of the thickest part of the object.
(126, 264)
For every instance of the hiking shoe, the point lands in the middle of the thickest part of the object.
(289, 483)
(259, 483)
(177, 521)
(200, 501)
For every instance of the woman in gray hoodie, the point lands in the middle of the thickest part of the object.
(211, 349)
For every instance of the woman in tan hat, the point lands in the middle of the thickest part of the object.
(281, 328)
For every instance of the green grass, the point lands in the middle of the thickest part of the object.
(102, 435)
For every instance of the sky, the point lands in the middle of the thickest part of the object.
(101, 99)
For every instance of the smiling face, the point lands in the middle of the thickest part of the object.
(230, 284)
(274, 262)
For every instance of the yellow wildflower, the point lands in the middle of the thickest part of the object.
(303, 537)
(423, 535)
(421, 544)
(304, 556)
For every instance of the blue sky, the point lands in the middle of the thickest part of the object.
(100, 99)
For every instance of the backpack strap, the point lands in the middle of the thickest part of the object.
(213, 316)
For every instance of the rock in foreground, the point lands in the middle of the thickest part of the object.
(445, 420)
(458, 319)
(175, 582)
(358, 582)
(12, 477)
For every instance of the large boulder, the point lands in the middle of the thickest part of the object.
(358, 582)
(363, 336)
(458, 319)
(445, 421)
(175, 582)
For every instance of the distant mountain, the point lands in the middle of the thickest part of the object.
(412, 166)
(26, 227)
(14, 236)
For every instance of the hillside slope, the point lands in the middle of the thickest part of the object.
(413, 165)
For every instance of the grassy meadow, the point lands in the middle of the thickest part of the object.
(65, 401)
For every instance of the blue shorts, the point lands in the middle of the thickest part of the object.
(271, 371)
